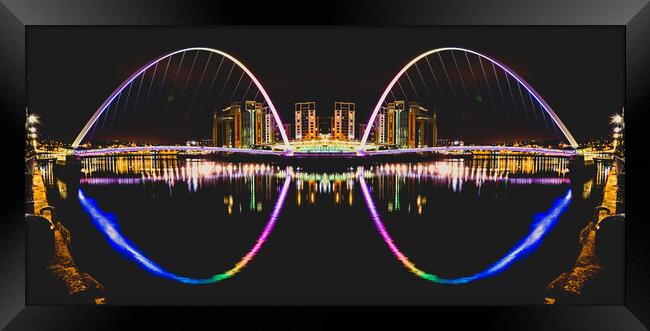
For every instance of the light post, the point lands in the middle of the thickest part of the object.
(30, 131)
(618, 120)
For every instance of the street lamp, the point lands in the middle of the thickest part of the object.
(619, 123)
(32, 119)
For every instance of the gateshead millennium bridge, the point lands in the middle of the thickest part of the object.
(351, 148)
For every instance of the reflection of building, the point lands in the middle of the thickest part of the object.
(247, 127)
(305, 120)
(343, 128)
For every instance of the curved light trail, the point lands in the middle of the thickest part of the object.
(122, 86)
(541, 226)
(513, 74)
(107, 224)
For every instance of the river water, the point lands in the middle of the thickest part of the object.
(473, 230)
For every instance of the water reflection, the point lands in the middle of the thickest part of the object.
(253, 183)
(540, 227)
(109, 227)
(399, 187)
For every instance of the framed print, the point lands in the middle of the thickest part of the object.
(387, 161)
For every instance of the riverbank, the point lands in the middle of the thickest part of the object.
(80, 286)
(568, 287)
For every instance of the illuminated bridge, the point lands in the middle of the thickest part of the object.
(519, 103)
(438, 149)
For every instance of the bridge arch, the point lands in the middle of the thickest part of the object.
(510, 72)
(144, 68)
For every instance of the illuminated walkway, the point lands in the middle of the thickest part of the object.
(438, 149)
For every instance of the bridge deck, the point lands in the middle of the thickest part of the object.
(437, 149)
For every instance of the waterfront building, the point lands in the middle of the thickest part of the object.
(344, 121)
(396, 110)
(380, 128)
(250, 126)
(422, 126)
(268, 132)
(247, 126)
(227, 126)
(305, 121)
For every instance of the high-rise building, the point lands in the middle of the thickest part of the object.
(344, 122)
(227, 126)
(396, 112)
(268, 127)
(433, 129)
(305, 121)
(379, 129)
(217, 127)
(259, 126)
(389, 138)
(422, 126)
(251, 109)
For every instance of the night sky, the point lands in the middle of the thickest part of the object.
(578, 70)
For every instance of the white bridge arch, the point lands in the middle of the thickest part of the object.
(144, 68)
(510, 72)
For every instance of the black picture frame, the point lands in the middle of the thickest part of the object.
(16, 15)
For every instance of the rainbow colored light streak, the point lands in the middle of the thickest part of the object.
(108, 225)
(543, 223)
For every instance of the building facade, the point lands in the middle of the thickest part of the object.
(344, 121)
(243, 125)
(227, 126)
(422, 126)
(305, 121)
(398, 115)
